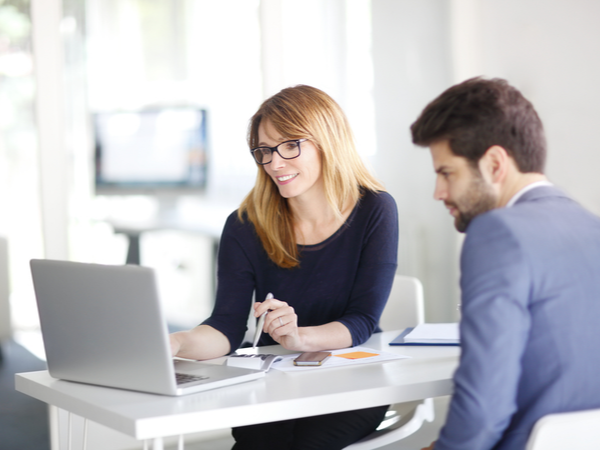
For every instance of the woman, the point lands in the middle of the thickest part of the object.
(318, 232)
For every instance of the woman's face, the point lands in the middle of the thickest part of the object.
(295, 178)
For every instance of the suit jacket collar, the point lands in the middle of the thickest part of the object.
(541, 192)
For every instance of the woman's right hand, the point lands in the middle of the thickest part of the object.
(281, 323)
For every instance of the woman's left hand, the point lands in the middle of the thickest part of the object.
(281, 323)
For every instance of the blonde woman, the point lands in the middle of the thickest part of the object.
(319, 233)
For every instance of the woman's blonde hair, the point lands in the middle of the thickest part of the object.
(304, 112)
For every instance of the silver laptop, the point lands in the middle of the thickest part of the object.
(103, 325)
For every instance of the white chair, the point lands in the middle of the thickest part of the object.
(5, 324)
(405, 308)
(578, 430)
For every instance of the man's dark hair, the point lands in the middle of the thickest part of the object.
(479, 113)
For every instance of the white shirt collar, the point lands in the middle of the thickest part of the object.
(527, 188)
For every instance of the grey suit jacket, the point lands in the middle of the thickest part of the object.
(530, 338)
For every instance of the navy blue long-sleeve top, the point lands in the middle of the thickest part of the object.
(346, 278)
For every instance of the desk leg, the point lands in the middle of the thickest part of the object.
(70, 428)
(54, 429)
(57, 435)
(158, 443)
(85, 432)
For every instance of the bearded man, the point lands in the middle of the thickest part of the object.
(530, 269)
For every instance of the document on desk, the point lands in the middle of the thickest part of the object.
(429, 334)
(344, 357)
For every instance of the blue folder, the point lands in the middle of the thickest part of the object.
(400, 340)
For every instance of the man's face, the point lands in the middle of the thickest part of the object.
(460, 186)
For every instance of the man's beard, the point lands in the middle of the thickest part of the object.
(478, 199)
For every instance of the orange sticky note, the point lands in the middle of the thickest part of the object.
(356, 355)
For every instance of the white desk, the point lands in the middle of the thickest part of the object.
(278, 396)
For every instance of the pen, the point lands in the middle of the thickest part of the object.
(261, 322)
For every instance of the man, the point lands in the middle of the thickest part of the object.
(530, 269)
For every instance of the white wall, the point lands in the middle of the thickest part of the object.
(412, 64)
(550, 50)
(547, 49)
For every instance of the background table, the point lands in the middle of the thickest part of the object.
(278, 396)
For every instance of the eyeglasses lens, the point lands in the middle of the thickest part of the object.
(262, 155)
(287, 150)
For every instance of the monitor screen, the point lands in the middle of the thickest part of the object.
(150, 151)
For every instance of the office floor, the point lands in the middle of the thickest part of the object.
(23, 420)
(423, 437)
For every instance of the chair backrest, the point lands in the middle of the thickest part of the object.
(5, 323)
(578, 430)
(405, 306)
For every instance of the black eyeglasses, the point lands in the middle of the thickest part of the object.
(287, 150)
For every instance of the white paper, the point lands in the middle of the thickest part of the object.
(287, 364)
(434, 333)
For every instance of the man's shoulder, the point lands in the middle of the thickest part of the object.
(546, 204)
(534, 222)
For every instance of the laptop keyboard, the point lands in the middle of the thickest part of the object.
(182, 378)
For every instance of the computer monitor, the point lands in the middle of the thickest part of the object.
(154, 151)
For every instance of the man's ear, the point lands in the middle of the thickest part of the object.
(494, 164)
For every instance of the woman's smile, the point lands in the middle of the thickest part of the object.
(284, 179)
